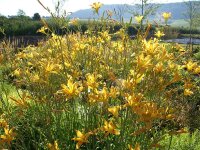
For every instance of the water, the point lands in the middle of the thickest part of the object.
(183, 41)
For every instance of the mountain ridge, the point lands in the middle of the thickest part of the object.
(177, 9)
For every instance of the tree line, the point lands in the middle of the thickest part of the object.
(20, 24)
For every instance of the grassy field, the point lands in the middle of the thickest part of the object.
(181, 23)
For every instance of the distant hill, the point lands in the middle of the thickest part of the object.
(177, 10)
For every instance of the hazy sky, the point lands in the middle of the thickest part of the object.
(10, 7)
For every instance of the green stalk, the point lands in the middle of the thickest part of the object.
(170, 142)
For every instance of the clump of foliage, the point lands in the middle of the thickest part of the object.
(84, 90)
(19, 25)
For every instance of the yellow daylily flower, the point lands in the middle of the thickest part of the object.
(53, 146)
(113, 92)
(71, 89)
(158, 67)
(35, 77)
(103, 95)
(137, 146)
(191, 65)
(8, 136)
(3, 123)
(52, 68)
(114, 110)
(159, 34)
(197, 70)
(17, 72)
(96, 6)
(139, 18)
(139, 78)
(166, 16)
(188, 92)
(143, 61)
(92, 82)
(43, 30)
(110, 128)
(130, 147)
(126, 84)
(99, 96)
(133, 99)
(74, 21)
(81, 138)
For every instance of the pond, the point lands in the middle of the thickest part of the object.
(183, 41)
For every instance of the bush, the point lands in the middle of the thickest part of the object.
(85, 90)
(17, 26)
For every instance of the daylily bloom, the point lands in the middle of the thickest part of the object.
(71, 89)
(188, 92)
(99, 96)
(8, 135)
(17, 72)
(74, 21)
(81, 138)
(42, 30)
(96, 6)
(137, 147)
(113, 92)
(158, 67)
(159, 34)
(139, 18)
(143, 61)
(197, 70)
(110, 128)
(114, 110)
(3, 123)
(191, 65)
(53, 146)
(92, 82)
(51, 68)
(166, 16)
(130, 147)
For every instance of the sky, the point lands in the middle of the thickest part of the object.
(11, 7)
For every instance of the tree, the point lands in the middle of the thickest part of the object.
(36, 16)
(192, 15)
(21, 13)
